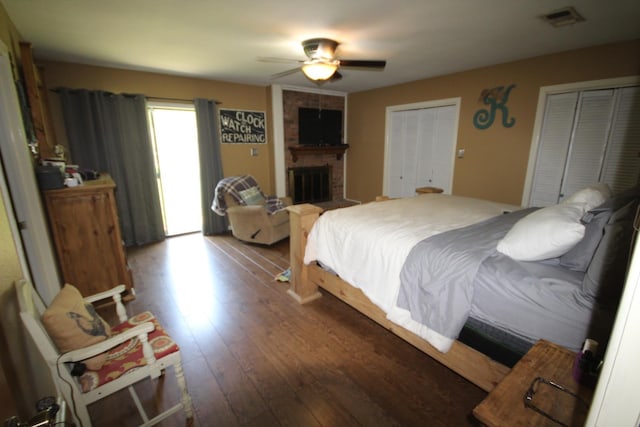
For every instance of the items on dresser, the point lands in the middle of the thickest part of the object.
(49, 177)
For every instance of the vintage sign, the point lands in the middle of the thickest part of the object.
(242, 127)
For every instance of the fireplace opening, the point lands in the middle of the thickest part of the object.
(310, 184)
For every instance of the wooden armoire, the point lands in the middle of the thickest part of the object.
(85, 228)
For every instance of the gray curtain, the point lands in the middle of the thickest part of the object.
(210, 163)
(110, 133)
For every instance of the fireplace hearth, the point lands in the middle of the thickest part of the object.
(310, 184)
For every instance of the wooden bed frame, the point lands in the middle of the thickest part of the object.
(306, 279)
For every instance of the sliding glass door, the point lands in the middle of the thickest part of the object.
(174, 132)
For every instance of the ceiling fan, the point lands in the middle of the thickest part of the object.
(322, 64)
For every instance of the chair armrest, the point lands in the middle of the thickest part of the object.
(106, 294)
(109, 343)
(114, 293)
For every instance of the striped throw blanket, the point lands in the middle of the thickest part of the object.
(234, 186)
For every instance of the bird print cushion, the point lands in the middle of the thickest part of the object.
(73, 323)
(129, 355)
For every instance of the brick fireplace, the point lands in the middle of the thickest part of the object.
(310, 184)
(330, 161)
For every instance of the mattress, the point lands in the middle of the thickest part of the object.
(494, 342)
(544, 301)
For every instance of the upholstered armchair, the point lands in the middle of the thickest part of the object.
(253, 217)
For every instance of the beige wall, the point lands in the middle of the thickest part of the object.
(495, 162)
(235, 157)
(9, 272)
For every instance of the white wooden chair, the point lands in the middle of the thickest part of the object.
(80, 392)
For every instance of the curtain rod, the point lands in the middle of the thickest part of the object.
(150, 98)
(58, 89)
(156, 98)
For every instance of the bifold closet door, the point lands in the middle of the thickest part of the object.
(439, 150)
(621, 169)
(589, 141)
(587, 137)
(421, 150)
(402, 152)
(552, 149)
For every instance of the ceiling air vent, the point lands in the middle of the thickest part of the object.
(562, 17)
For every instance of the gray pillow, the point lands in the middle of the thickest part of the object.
(605, 276)
(616, 202)
(579, 257)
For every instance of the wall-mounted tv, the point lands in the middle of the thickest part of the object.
(319, 127)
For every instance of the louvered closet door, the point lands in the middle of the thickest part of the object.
(622, 162)
(589, 141)
(555, 136)
(587, 137)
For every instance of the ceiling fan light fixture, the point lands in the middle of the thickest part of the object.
(319, 71)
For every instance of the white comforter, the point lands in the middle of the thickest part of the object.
(366, 245)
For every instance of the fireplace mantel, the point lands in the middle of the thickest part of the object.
(303, 150)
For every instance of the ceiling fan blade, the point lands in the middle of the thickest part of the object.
(362, 63)
(279, 60)
(285, 73)
(335, 77)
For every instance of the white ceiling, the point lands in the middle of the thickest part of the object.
(222, 40)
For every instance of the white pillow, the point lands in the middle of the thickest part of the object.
(546, 233)
(590, 197)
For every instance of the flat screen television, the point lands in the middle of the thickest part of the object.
(319, 127)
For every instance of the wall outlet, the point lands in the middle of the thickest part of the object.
(461, 153)
(253, 152)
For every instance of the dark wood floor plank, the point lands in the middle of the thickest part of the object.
(276, 255)
(311, 351)
(390, 396)
(296, 358)
(376, 359)
(248, 256)
(209, 402)
(254, 356)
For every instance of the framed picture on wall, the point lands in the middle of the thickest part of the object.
(242, 127)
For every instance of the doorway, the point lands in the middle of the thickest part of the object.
(175, 138)
(29, 228)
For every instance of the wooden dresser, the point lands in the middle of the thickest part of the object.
(85, 228)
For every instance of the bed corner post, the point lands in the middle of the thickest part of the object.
(301, 219)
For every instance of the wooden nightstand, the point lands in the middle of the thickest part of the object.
(504, 406)
(428, 190)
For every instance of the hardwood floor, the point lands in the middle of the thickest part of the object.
(253, 356)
